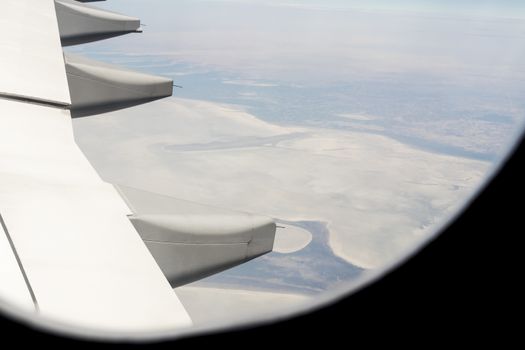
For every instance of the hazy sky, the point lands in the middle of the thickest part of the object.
(274, 40)
(490, 8)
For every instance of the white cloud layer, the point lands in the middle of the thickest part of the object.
(377, 195)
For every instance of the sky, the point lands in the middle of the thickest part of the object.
(476, 8)
(363, 125)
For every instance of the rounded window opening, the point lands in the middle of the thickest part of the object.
(238, 161)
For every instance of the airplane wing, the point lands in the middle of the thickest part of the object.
(71, 249)
(78, 254)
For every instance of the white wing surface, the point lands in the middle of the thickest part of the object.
(67, 248)
(30, 56)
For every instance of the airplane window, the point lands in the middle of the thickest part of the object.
(308, 147)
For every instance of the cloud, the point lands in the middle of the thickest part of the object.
(378, 196)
